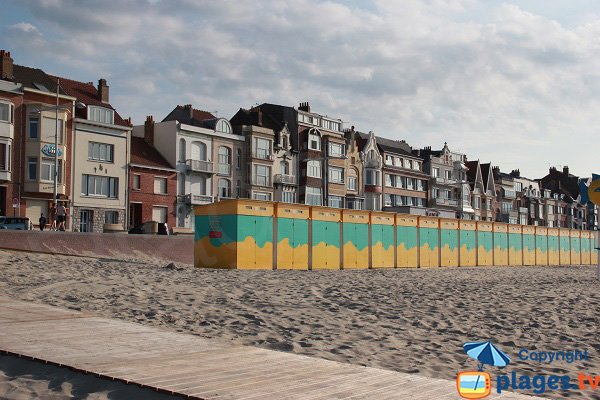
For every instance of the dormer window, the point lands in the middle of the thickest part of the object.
(223, 126)
(314, 141)
(101, 114)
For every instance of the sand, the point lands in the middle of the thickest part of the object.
(408, 320)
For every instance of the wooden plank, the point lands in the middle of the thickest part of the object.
(197, 367)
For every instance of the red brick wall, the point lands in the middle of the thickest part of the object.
(146, 194)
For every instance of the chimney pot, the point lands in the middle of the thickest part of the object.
(149, 130)
(566, 170)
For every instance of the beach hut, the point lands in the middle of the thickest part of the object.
(500, 231)
(382, 240)
(234, 234)
(325, 238)
(468, 243)
(564, 243)
(553, 247)
(594, 243)
(585, 248)
(429, 240)
(575, 247)
(541, 245)
(529, 246)
(515, 245)
(407, 248)
(449, 242)
(291, 225)
(355, 239)
(485, 243)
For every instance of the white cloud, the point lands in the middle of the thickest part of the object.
(501, 83)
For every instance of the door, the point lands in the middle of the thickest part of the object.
(135, 214)
(3, 210)
(85, 221)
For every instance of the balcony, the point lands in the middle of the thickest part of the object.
(445, 202)
(285, 179)
(5, 175)
(523, 210)
(224, 169)
(7, 130)
(197, 199)
(199, 166)
(444, 181)
(260, 181)
(261, 155)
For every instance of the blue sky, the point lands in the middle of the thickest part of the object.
(512, 83)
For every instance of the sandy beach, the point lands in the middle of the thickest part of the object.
(409, 320)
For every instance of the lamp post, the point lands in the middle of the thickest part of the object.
(55, 196)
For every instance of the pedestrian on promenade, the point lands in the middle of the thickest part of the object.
(61, 215)
(42, 222)
(52, 215)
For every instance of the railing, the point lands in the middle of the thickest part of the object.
(199, 166)
(523, 210)
(224, 169)
(262, 156)
(445, 181)
(445, 202)
(196, 199)
(260, 181)
(285, 179)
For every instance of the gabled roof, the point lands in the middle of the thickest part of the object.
(35, 78)
(87, 93)
(144, 154)
(487, 176)
(389, 145)
(190, 116)
(474, 174)
(272, 116)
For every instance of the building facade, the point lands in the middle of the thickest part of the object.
(100, 154)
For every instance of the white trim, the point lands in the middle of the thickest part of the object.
(51, 94)
(151, 167)
(209, 132)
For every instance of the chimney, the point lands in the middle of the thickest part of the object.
(566, 170)
(102, 91)
(496, 171)
(6, 66)
(304, 107)
(190, 110)
(149, 130)
(515, 173)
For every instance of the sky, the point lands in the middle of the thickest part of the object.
(514, 83)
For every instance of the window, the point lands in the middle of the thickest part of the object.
(410, 183)
(398, 162)
(262, 175)
(417, 166)
(351, 183)
(261, 196)
(337, 150)
(435, 193)
(371, 177)
(389, 160)
(354, 204)
(336, 175)
(262, 148)
(518, 186)
(313, 169)
(160, 185)
(34, 126)
(182, 153)
(224, 160)
(136, 182)
(238, 159)
(48, 170)
(159, 214)
(314, 141)
(313, 196)
(288, 197)
(198, 151)
(476, 203)
(448, 174)
(506, 207)
(489, 204)
(181, 184)
(100, 151)
(111, 217)
(101, 186)
(421, 184)
(100, 114)
(335, 201)
(388, 200)
(224, 188)
(285, 167)
(410, 164)
(284, 142)
(49, 129)
(6, 112)
(388, 180)
(32, 168)
(223, 126)
(435, 172)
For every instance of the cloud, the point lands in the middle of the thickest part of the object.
(425, 71)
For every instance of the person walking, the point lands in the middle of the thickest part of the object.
(42, 222)
(61, 216)
(52, 215)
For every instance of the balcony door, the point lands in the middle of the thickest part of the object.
(198, 151)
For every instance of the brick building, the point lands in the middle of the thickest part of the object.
(152, 185)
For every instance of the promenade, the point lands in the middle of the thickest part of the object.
(195, 367)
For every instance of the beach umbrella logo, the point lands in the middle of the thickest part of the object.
(478, 384)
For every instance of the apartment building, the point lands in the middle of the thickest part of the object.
(100, 154)
(489, 199)
(208, 156)
(447, 176)
(529, 199)
(564, 189)
(506, 197)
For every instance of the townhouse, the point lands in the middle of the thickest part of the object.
(206, 154)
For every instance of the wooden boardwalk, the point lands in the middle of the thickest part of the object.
(195, 367)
